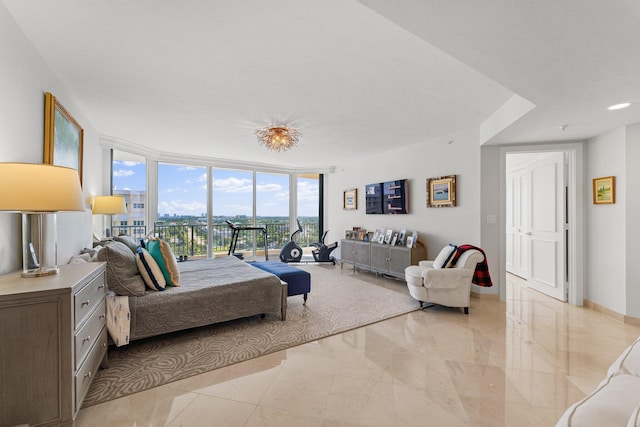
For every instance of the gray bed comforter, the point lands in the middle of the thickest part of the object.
(211, 291)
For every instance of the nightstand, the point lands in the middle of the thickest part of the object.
(53, 338)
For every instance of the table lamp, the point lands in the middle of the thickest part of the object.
(38, 191)
(109, 205)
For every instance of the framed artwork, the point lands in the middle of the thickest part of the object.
(350, 199)
(604, 190)
(63, 136)
(441, 192)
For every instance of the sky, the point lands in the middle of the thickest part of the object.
(182, 190)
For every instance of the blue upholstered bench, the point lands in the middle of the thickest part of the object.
(298, 281)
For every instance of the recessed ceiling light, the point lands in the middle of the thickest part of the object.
(620, 106)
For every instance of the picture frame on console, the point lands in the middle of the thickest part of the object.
(63, 136)
(441, 191)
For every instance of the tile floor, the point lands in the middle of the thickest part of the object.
(519, 363)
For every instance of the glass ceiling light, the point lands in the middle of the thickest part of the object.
(278, 138)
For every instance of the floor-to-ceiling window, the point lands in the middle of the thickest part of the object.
(190, 208)
(232, 199)
(129, 179)
(272, 209)
(182, 208)
(308, 208)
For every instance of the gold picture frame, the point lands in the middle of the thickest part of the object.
(350, 199)
(604, 190)
(441, 191)
(63, 136)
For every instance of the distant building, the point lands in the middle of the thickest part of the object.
(133, 222)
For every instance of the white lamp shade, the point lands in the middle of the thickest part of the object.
(109, 205)
(29, 187)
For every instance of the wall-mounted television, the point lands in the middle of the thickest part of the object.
(389, 197)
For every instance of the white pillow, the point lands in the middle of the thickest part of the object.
(150, 270)
(443, 260)
(628, 362)
(611, 404)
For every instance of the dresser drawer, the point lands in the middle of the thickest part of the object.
(88, 334)
(88, 370)
(88, 298)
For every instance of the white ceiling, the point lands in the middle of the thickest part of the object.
(199, 77)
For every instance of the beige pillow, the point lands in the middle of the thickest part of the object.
(123, 276)
(150, 270)
(162, 253)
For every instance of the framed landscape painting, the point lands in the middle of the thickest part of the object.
(63, 136)
(604, 190)
(441, 191)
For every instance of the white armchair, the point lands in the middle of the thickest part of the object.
(439, 283)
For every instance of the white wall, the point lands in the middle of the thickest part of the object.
(606, 224)
(457, 154)
(24, 79)
(632, 205)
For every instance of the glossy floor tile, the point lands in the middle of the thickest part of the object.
(519, 363)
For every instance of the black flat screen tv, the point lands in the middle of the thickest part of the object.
(389, 197)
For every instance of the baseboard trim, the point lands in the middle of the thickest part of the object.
(630, 320)
(485, 296)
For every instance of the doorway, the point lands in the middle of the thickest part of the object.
(542, 234)
(536, 221)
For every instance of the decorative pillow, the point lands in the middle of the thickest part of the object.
(150, 270)
(80, 259)
(443, 260)
(93, 252)
(161, 252)
(628, 362)
(123, 276)
(127, 240)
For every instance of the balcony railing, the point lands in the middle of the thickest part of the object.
(191, 239)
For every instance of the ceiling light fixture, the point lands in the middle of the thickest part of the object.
(278, 138)
(619, 106)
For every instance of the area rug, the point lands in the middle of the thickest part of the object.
(338, 302)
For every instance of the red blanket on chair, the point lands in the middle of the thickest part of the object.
(481, 275)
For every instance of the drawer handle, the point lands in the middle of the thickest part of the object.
(101, 287)
(102, 316)
(88, 338)
(87, 375)
(87, 302)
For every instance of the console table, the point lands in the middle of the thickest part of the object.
(53, 337)
(380, 258)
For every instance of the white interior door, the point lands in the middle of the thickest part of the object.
(518, 222)
(547, 239)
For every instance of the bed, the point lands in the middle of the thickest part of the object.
(211, 291)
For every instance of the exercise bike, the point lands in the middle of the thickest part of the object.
(322, 252)
(292, 252)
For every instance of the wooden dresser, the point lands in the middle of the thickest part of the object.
(53, 338)
(380, 258)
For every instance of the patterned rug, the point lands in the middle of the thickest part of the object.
(338, 302)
